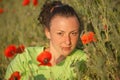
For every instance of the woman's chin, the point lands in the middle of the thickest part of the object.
(66, 53)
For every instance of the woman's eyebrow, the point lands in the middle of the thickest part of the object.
(75, 30)
(70, 31)
(61, 31)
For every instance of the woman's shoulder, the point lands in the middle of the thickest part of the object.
(30, 53)
(33, 50)
(78, 54)
(36, 48)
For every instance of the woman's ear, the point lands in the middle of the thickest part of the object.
(47, 33)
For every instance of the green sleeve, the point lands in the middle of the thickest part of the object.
(17, 64)
(21, 63)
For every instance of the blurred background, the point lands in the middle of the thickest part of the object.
(19, 25)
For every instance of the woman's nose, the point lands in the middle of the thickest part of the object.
(68, 40)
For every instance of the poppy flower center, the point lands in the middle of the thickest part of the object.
(46, 60)
(12, 52)
(15, 78)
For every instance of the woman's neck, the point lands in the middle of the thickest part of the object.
(56, 57)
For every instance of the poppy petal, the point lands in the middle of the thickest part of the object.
(44, 58)
(15, 76)
(35, 2)
(1, 10)
(25, 2)
(20, 49)
(10, 51)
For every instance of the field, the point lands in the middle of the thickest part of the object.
(19, 25)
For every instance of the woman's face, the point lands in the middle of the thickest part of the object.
(63, 34)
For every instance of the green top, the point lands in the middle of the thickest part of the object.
(27, 64)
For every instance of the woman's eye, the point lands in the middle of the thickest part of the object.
(74, 33)
(60, 34)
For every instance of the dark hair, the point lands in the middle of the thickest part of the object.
(51, 9)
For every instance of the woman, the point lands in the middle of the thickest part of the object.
(62, 28)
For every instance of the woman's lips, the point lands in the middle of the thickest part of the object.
(66, 48)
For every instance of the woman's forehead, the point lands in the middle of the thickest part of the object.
(60, 22)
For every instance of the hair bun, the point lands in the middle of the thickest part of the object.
(46, 10)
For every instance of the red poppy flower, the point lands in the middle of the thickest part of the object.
(44, 58)
(20, 49)
(25, 2)
(10, 51)
(1, 10)
(35, 2)
(15, 76)
(91, 37)
(88, 37)
(84, 39)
